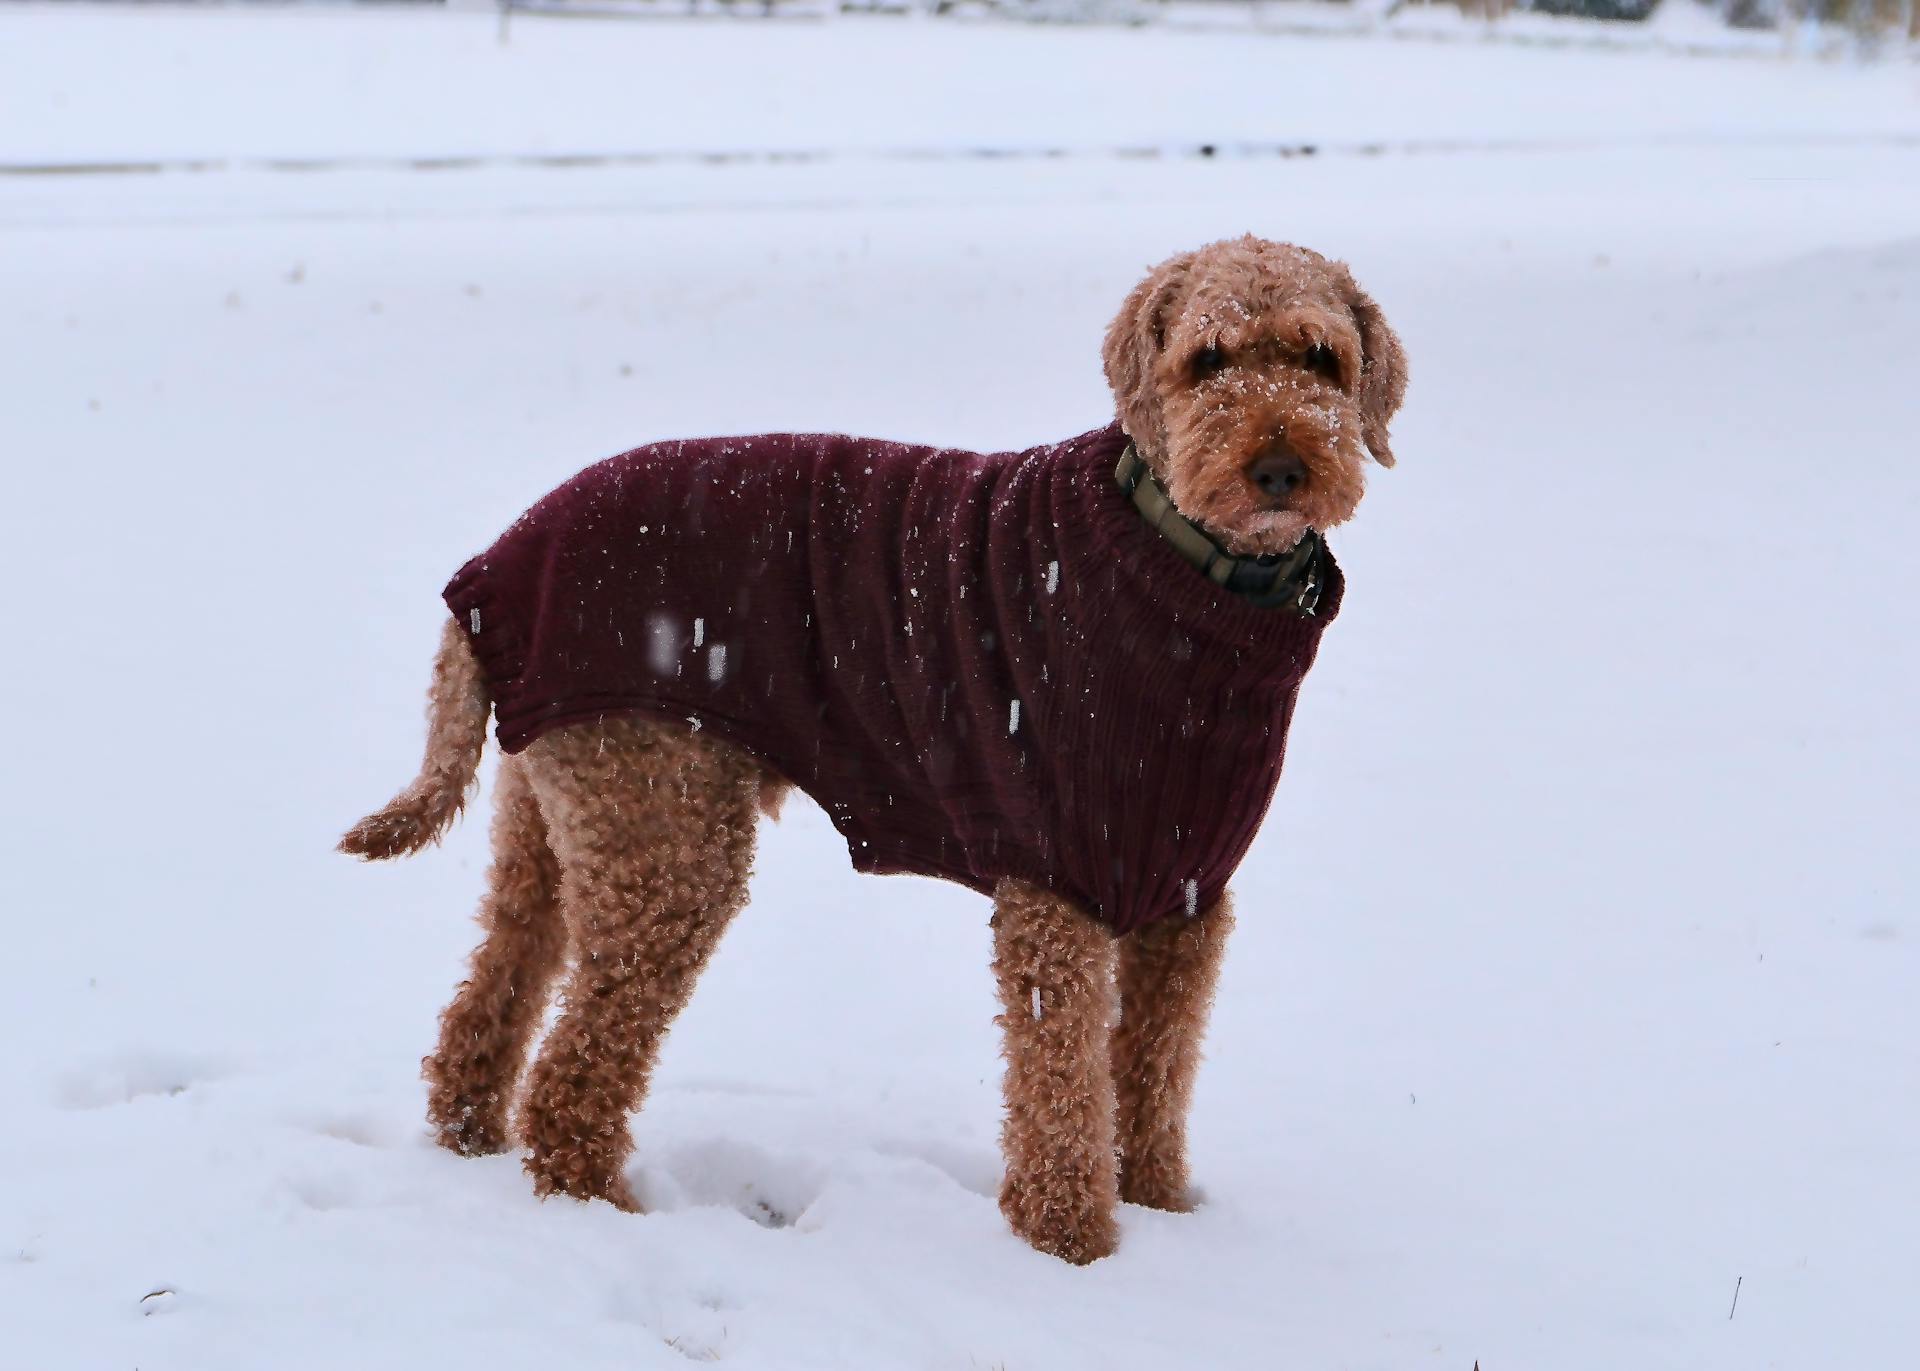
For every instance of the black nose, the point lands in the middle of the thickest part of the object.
(1278, 473)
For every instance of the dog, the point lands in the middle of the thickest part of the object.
(1063, 677)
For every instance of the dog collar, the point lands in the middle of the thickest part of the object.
(1289, 580)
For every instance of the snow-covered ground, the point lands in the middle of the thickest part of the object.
(106, 84)
(1576, 978)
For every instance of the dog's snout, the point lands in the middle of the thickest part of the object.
(1278, 473)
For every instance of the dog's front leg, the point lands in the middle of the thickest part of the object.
(1054, 968)
(1168, 971)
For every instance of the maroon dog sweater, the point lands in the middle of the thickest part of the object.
(980, 666)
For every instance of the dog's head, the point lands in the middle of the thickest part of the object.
(1255, 378)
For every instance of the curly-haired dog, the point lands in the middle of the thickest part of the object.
(1063, 677)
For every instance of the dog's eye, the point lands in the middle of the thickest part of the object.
(1322, 361)
(1207, 362)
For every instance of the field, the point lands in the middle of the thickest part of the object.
(1575, 979)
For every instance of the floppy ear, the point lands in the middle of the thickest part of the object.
(1383, 372)
(1134, 342)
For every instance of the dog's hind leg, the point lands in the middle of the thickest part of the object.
(485, 1031)
(1054, 969)
(1168, 971)
(654, 828)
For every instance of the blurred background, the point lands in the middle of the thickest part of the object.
(1571, 1019)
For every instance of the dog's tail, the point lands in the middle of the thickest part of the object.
(457, 709)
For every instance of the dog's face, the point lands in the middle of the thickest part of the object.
(1256, 378)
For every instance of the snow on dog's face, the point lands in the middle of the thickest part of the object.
(1256, 378)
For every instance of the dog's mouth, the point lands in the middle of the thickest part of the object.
(1240, 518)
(1260, 534)
(1277, 530)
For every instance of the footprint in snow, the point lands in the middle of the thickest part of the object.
(361, 1130)
(325, 1192)
(124, 1079)
(976, 1169)
(773, 1191)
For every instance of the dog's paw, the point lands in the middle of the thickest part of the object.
(1065, 1225)
(472, 1137)
(1157, 1187)
(578, 1180)
(1078, 1244)
(1173, 1201)
(469, 1127)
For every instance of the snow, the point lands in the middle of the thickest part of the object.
(1574, 981)
(663, 643)
(413, 84)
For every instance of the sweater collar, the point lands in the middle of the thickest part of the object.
(1291, 580)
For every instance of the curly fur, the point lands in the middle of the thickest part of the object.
(653, 827)
(457, 709)
(1262, 308)
(1168, 972)
(630, 841)
(484, 1033)
(1053, 966)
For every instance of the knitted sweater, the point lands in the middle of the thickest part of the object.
(980, 666)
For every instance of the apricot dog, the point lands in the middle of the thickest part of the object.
(1253, 380)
